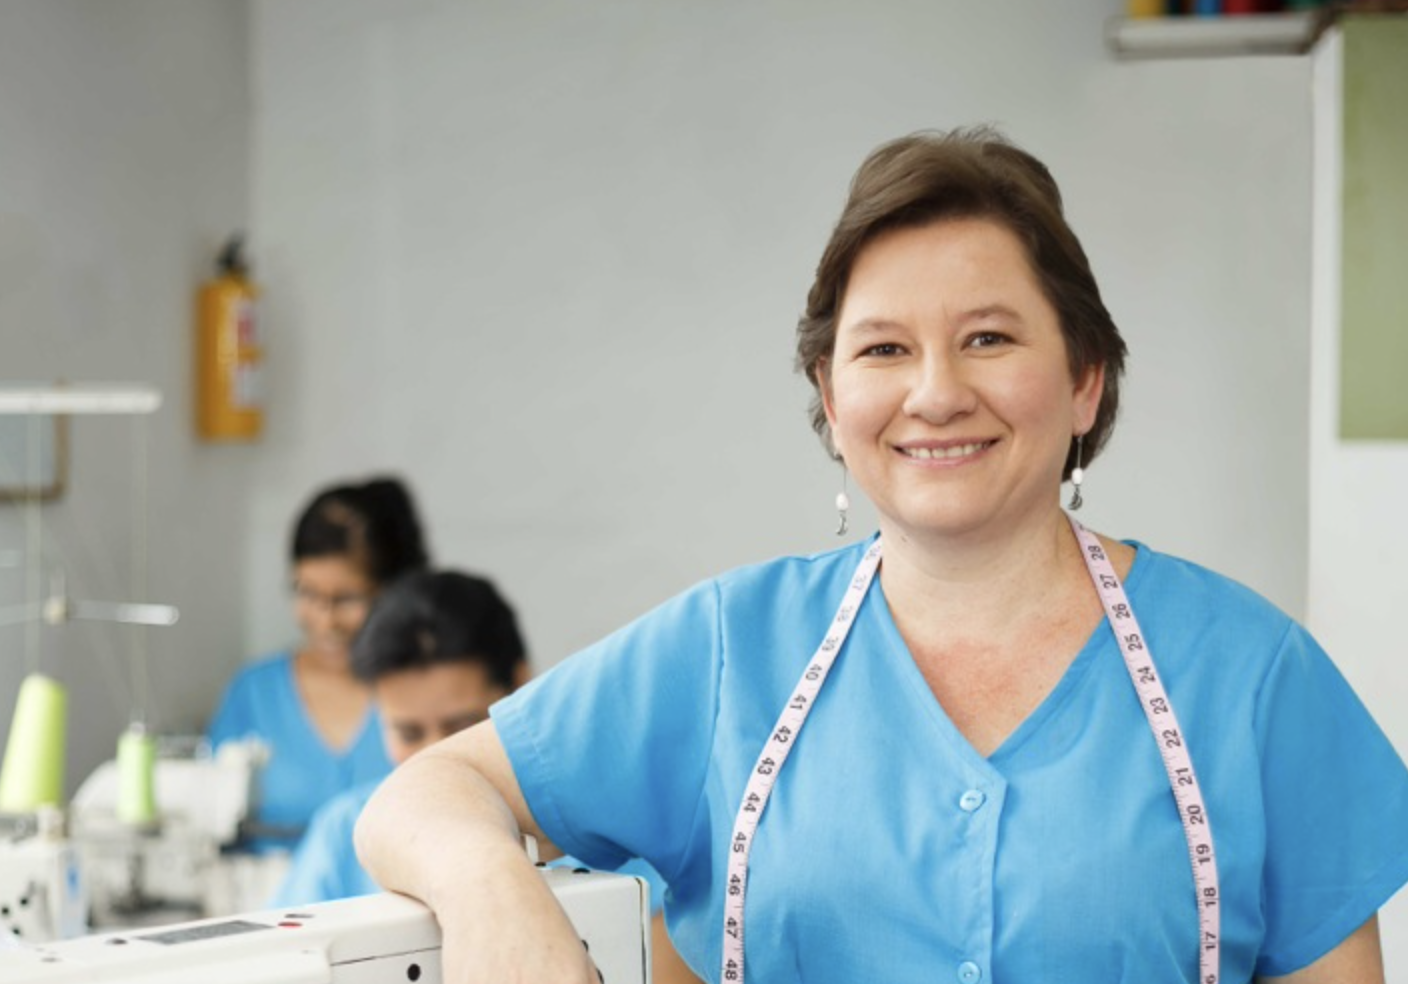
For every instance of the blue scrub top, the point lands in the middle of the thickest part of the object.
(892, 851)
(303, 772)
(325, 866)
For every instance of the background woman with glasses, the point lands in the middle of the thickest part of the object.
(315, 717)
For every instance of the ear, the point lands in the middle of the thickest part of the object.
(1089, 388)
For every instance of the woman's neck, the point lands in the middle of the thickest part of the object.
(322, 663)
(334, 699)
(980, 584)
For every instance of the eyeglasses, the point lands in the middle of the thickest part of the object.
(338, 604)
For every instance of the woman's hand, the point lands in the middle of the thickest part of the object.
(447, 828)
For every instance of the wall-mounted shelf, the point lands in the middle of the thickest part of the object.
(1202, 37)
(79, 398)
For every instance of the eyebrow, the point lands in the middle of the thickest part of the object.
(987, 311)
(990, 311)
(871, 325)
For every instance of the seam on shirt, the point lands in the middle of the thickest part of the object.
(701, 804)
(547, 804)
(1272, 665)
(1258, 721)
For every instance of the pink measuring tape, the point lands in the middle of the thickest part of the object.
(1157, 709)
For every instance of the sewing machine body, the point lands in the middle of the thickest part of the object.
(369, 940)
(43, 895)
(185, 863)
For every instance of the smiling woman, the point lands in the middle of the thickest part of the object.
(986, 744)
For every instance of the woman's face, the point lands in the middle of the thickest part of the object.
(948, 393)
(331, 596)
(421, 706)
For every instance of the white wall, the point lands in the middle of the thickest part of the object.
(547, 261)
(123, 160)
(1358, 488)
(1192, 188)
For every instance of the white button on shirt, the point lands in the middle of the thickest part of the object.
(971, 800)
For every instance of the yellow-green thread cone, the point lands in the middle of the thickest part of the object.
(33, 773)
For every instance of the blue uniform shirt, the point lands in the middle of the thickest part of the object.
(892, 851)
(325, 866)
(302, 773)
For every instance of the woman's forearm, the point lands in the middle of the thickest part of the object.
(433, 815)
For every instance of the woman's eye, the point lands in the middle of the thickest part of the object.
(883, 349)
(987, 339)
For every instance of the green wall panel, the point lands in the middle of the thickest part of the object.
(1374, 326)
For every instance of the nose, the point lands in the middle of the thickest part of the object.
(320, 617)
(940, 390)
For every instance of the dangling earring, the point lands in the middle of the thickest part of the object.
(1077, 474)
(843, 503)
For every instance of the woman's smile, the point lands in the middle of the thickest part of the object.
(949, 452)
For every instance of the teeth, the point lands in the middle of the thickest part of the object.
(959, 451)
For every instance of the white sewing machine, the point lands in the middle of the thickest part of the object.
(173, 868)
(42, 892)
(67, 873)
(369, 940)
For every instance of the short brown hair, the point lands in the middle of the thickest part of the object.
(967, 173)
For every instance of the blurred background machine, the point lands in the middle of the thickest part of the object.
(183, 861)
(64, 873)
(153, 835)
(42, 891)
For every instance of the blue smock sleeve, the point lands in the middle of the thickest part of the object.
(611, 747)
(232, 719)
(325, 867)
(1336, 808)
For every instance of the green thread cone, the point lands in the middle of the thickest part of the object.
(33, 773)
(136, 771)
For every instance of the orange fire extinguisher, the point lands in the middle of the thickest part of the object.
(229, 357)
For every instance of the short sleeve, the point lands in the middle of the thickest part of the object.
(232, 719)
(611, 746)
(1336, 801)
